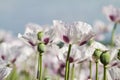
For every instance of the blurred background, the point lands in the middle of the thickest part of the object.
(15, 14)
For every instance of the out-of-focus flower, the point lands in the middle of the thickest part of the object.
(10, 52)
(5, 36)
(100, 29)
(17, 54)
(4, 69)
(75, 33)
(112, 13)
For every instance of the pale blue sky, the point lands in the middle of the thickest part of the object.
(15, 14)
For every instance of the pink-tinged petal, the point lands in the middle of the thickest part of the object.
(66, 39)
(46, 41)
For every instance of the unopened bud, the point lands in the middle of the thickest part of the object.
(96, 54)
(41, 47)
(40, 35)
(105, 58)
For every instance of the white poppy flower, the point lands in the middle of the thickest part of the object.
(75, 33)
(30, 35)
(112, 13)
(10, 52)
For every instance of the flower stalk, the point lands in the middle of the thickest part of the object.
(72, 72)
(113, 34)
(39, 72)
(67, 67)
(90, 68)
(105, 75)
(41, 48)
(96, 70)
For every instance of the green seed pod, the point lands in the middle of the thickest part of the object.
(105, 58)
(41, 47)
(118, 54)
(96, 54)
(40, 35)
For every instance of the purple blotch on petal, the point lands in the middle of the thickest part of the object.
(66, 39)
(46, 41)
(82, 43)
(112, 18)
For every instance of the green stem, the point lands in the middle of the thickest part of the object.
(44, 72)
(78, 76)
(96, 70)
(58, 77)
(39, 73)
(38, 67)
(113, 33)
(105, 75)
(90, 68)
(72, 72)
(67, 67)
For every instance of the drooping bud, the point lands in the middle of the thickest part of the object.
(96, 54)
(40, 35)
(105, 58)
(41, 47)
(118, 54)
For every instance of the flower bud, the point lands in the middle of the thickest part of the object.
(41, 47)
(40, 35)
(118, 54)
(96, 54)
(105, 58)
